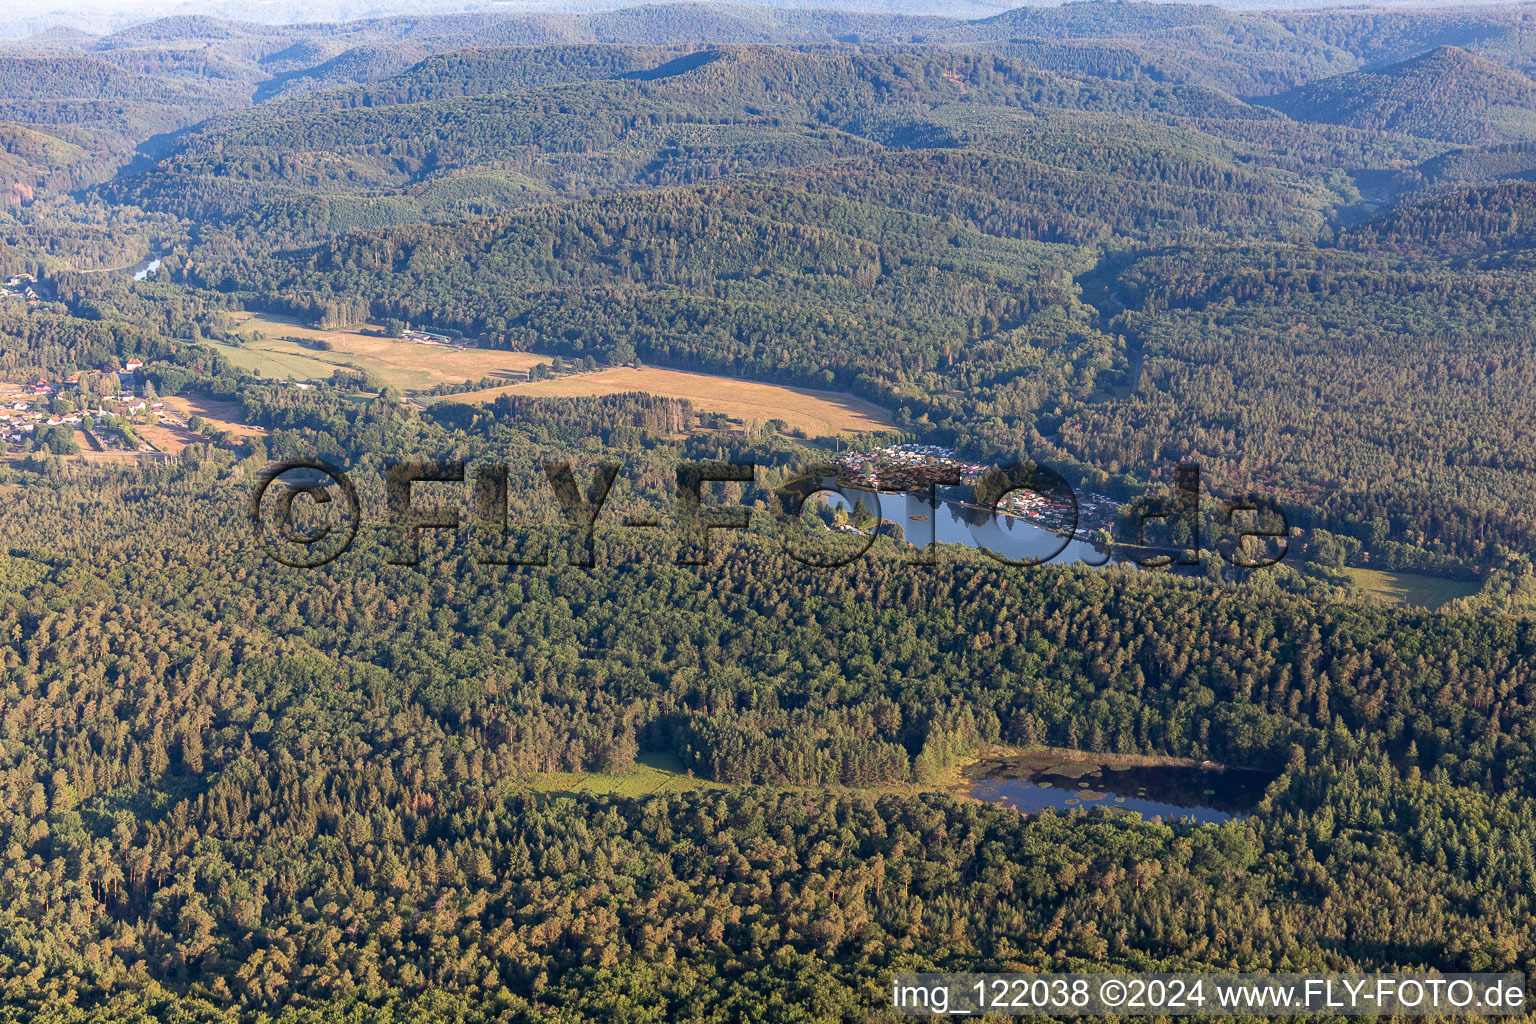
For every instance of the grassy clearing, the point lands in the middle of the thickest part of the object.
(654, 774)
(650, 775)
(277, 360)
(818, 413)
(407, 365)
(1406, 588)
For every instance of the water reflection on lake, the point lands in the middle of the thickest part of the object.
(1030, 783)
(1009, 536)
(955, 522)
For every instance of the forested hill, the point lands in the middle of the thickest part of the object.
(1447, 94)
(115, 92)
(170, 74)
(654, 116)
(1244, 53)
(1484, 220)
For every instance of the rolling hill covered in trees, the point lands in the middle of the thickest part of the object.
(1448, 94)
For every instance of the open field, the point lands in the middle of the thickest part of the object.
(657, 773)
(1410, 588)
(167, 438)
(279, 360)
(649, 775)
(406, 365)
(412, 366)
(222, 413)
(818, 413)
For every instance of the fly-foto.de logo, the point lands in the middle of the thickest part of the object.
(307, 513)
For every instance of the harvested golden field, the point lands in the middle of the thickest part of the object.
(167, 438)
(407, 365)
(222, 413)
(818, 413)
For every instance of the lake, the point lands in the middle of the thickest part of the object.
(1009, 536)
(952, 522)
(1032, 782)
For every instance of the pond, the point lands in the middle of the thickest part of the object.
(957, 522)
(1009, 536)
(1030, 783)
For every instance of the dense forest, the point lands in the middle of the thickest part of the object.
(1294, 249)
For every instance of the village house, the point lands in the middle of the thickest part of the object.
(18, 286)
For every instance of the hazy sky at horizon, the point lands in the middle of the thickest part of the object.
(25, 17)
(24, 8)
(115, 12)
